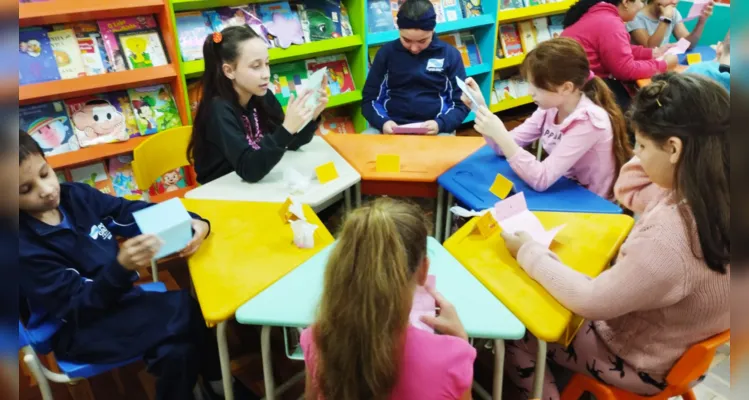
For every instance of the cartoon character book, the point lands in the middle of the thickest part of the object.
(452, 10)
(121, 101)
(142, 48)
(109, 27)
(121, 175)
(95, 121)
(169, 182)
(335, 120)
(471, 8)
(287, 78)
(36, 60)
(339, 73)
(192, 28)
(279, 18)
(67, 53)
(324, 17)
(49, 125)
(94, 175)
(510, 40)
(155, 109)
(224, 17)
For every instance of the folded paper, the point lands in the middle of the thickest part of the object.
(423, 304)
(513, 216)
(295, 181)
(501, 187)
(696, 10)
(168, 220)
(326, 172)
(462, 85)
(314, 84)
(388, 163)
(680, 48)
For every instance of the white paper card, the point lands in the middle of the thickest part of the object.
(462, 85)
(304, 233)
(462, 212)
(296, 181)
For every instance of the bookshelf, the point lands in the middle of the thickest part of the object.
(543, 10)
(63, 11)
(512, 103)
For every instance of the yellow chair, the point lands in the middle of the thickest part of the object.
(159, 154)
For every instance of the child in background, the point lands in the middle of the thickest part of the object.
(579, 124)
(412, 79)
(598, 25)
(669, 288)
(654, 25)
(720, 68)
(240, 125)
(362, 346)
(75, 276)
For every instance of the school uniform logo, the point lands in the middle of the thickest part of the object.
(100, 231)
(435, 64)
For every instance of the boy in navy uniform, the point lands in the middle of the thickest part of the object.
(412, 79)
(75, 276)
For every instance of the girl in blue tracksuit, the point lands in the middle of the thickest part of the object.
(74, 276)
(412, 79)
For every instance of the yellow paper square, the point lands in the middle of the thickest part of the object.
(694, 58)
(283, 212)
(487, 225)
(501, 186)
(326, 172)
(388, 163)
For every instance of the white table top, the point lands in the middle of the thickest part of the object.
(272, 187)
(292, 300)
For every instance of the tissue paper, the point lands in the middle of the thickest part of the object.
(304, 233)
(295, 181)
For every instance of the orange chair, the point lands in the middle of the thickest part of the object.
(692, 365)
(159, 154)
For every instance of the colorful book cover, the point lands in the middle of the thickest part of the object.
(192, 29)
(503, 89)
(280, 19)
(121, 101)
(286, 78)
(519, 86)
(555, 31)
(510, 40)
(438, 10)
(454, 39)
(531, 3)
(142, 48)
(346, 29)
(339, 73)
(49, 125)
(194, 94)
(335, 120)
(257, 25)
(471, 8)
(452, 10)
(121, 175)
(379, 17)
(472, 49)
(224, 17)
(36, 60)
(510, 4)
(67, 53)
(155, 109)
(169, 182)
(109, 27)
(91, 56)
(527, 36)
(324, 17)
(96, 121)
(541, 27)
(94, 175)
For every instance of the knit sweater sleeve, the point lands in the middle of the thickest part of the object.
(649, 277)
(634, 189)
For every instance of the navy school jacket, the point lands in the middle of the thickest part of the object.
(407, 88)
(67, 271)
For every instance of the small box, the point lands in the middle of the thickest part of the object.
(170, 221)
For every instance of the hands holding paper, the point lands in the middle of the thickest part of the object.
(387, 128)
(322, 99)
(201, 229)
(473, 91)
(433, 127)
(447, 322)
(514, 241)
(297, 113)
(137, 252)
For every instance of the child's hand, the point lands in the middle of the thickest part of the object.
(658, 52)
(515, 241)
(667, 10)
(489, 124)
(387, 128)
(475, 92)
(201, 229)
(707, 11)
(297, 113)
(672, 60)
(137, 252)
(433, 127)
(447, 322)
(323, 102)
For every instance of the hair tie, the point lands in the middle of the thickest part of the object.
(658, 101)
(591, 75)
(217, 37)
(426, 22)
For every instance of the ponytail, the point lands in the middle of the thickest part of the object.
(580, 8)
(368, 290)
(599, 93)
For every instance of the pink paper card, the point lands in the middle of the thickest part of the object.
(513, 216)
(412, 129)
(424, 304)
(681, 47)
(696, 10)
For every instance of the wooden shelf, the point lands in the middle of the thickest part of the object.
(502, 63)
(508, 104)
(69, 88)
(195, 68)
(482, 68)
(517, 14)
(61, 11)
(88, 155)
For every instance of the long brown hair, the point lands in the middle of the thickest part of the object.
(367, 296)
(561, 60)
(698, 112)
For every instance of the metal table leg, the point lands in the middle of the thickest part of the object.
(223, 354)
(347, 199)
(265, 352)
(499, 367)
(439, 213)
(538, 381)
(358, 194)
(448, 217)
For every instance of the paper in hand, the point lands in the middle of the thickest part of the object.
(513, 216)
(462, 85)
(413, 129)
(314, 84)
(681, 47)
(696, 10)
(423, 304)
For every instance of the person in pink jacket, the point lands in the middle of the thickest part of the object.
(669, 287)
(579, 124)
(598, 25)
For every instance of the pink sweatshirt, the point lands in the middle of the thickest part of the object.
(659, 298)
(604, 37)
(580, 148)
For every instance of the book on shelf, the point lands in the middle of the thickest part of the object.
(36, 59)
(510, 40)
(169, 181)
(339, 74)
(194, 94)
(120, 100)
(96, 121)
(438, 10)
(286, 79)
(531, 3)
(527, 35)
(541, 27)
(283, 22)
(49, 125)
(335, 120)
(120, 171)
(67, 53)
(192, 29)
(379, 17)
(556, 26)
(108, 28)
(322, 19)
(472, 48)
(91, 44)
(155, 109)
(224, 17)
(454, 39)
(94, 175)
(142, 48)
(503, 90)
(471, 8)
(519, 86)
(452, 10)
(510, 4)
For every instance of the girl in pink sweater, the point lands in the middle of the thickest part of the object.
(579, 124)
(669, 287)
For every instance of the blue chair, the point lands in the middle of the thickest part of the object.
(38, 341)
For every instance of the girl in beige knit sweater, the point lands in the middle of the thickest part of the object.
(669, 287)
